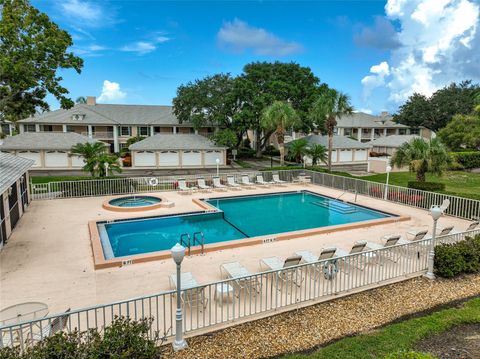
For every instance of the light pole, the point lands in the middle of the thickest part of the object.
(106, 169)
(217, 161)
(435, 212)
(178, 253)
(305, 161)
(388, 169)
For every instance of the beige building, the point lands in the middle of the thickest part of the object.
(390, 144)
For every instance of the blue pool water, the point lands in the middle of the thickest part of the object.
(237, 218)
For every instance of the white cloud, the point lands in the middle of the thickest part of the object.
(86, 13)
(365, 110)
(111, 92)
(439, 44)
(376, 79)
(238, 36)
(144, 47)
(89, 50)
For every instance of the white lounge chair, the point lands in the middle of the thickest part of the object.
(288, 275)
(202, 185)
(471, 227)
(232, 184)
(262, 182)
(358, 247)
(309, 257)
(328, 269)
(276, 179)
(244, 280)
(218, 185)
(193, 294)
(55, 326)
(302, 179)
(246, 182)
(388, 241)
(183, 187)
(417, 235)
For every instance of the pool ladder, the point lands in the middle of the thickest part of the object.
(185, 240)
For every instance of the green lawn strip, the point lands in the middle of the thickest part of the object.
(399, 336)
(47, 179)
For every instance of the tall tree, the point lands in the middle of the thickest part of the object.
(296, 149)
(422, 156)
(95, 156)
(317, 153)
(329, 106)
(435, 112)
(278, 117)
(32, 49)
(263, 83)
(462, 132)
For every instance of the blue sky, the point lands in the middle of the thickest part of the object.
(378, 52)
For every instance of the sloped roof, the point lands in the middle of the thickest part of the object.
(175, 142)
(364, 120)
(392, 141)
(44, 141)
(108, 114)
(339, 142)
(13, 167)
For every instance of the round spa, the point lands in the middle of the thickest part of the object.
(133, 203)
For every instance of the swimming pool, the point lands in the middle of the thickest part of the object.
(236, 218)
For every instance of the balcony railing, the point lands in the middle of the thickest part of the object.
(99, 135)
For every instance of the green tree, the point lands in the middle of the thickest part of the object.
(318, 153)
(263, 83)
(32, 49)
(435, 112)
(462, 132)
(226, 138)
(297, 149)
(107, 164)
(95, 156)
(81, 100)
(422, 156)
(329, 106)
(130, 142)
(278, 117)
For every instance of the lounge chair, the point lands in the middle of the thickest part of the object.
(183, 187)
(218, 185)
(287, 275)
(202, 185)
(302, 179)
(244, 280)
(262, 182)
(55, 326)
(417, 235)
(388, 241)
(443, 231)
(276, 179)
(309, 257)
(192, 295)
(471, 227)
(328, 268)
(246, 182)
(232, 184)
(358, 247)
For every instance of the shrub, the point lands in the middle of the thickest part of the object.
(271, 151)
(244, 152)
(378, 154)
(409, 355)
(467, 159)
(426, 186)
(461, 257)
(470, 251)
(246, 143)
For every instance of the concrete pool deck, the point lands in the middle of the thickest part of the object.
(49, 259)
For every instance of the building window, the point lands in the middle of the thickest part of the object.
(29, 128)
(125, 131)
(143, 131)
(5, 129)
(78, 117)
(47, 128)
(347, 131)
(414, 131)
(402, 131)
(123, 145)
(70, 128)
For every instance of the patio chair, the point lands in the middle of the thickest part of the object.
(276, 179)
(183, 188)
(193, 294)
(442, 231)
(358, 247)
(202, 185)
(328, 268)
(302, 179)
(262, 182)
(246, 182)
(218, 185)
(471, 227)
(309, 257)
(417, 235)
(55, 326)
(232, 184)
(244, 280)
(284, 273)
(388, 241)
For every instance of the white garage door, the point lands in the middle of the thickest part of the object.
(31, 155)
(211, 157)
(192, 158)
(168, 159)
(334, 156)
(77, 161)
(144, 159)
(361, 155)
(345, 155)
(56, 159)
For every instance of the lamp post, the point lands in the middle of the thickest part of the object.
(435, 212)
(106, 169)
(217, 161)
(178, 253)
(388, 169)
(305, 161)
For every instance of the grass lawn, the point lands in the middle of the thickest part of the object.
(46, 179)
(397, 337)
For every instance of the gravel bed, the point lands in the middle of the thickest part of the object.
(313, 326)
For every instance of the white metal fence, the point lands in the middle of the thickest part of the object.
(459, 207)
(250, 296)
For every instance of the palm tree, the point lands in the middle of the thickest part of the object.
(324, 112)
(297, 148)
(422, 156)
(107, 164)
(90, 153)
(278, 117)
(81, 99)
(318, 153)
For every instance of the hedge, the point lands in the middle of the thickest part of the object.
(458, 258)
(467, 159)
(426, 186)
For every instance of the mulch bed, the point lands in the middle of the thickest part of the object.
(308, 328)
